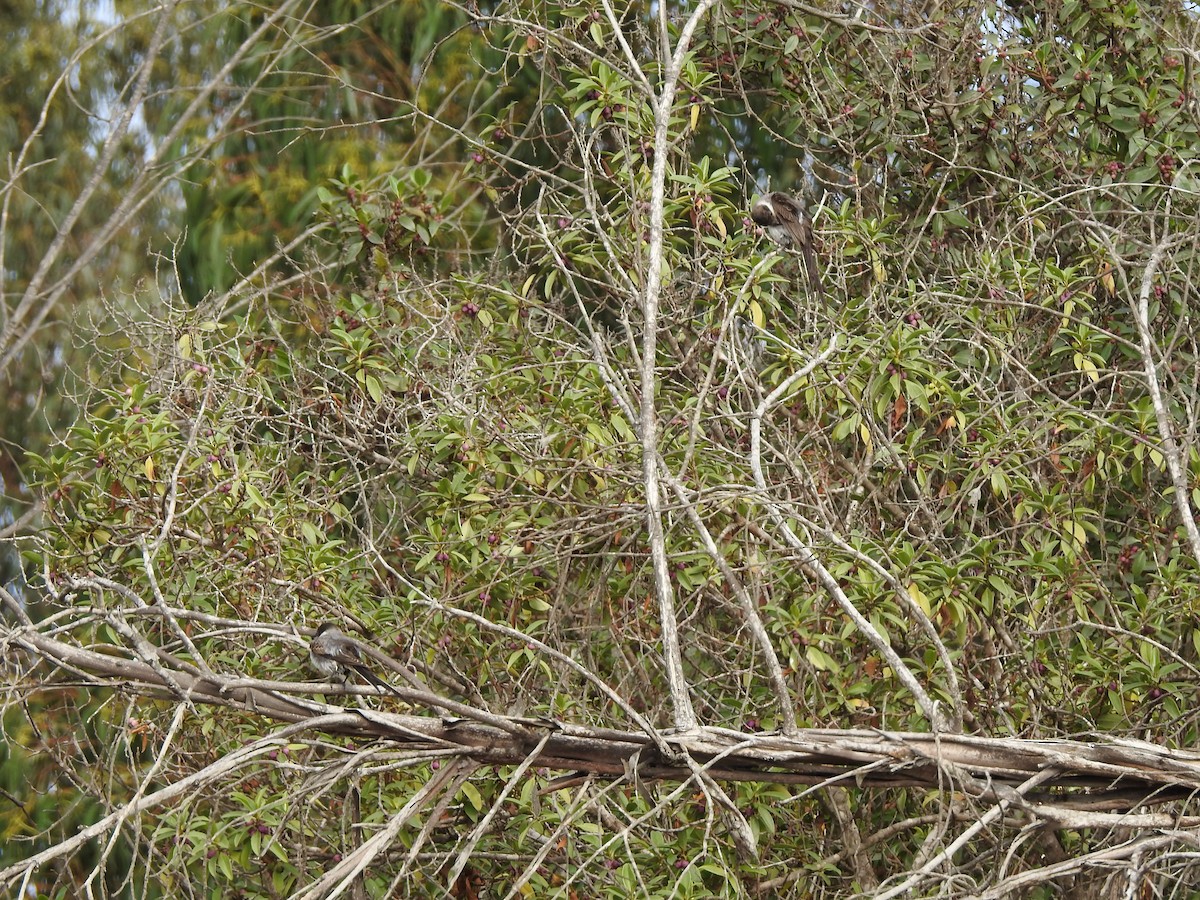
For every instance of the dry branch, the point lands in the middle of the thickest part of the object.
(1082, 783)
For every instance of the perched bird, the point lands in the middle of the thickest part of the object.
(338, 657)
(787, 224)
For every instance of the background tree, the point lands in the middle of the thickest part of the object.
(533, 407)
(46, 145)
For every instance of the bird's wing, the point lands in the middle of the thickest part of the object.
(786, 213)
(348, 654)
(343, 653)
(798, 226)
(797, 231)
(787, 208)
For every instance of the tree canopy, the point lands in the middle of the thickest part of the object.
(448, 324)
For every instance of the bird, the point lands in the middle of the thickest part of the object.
(787, 224)
(337, 656)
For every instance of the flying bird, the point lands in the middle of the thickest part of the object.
(787, 224)
(338, 657)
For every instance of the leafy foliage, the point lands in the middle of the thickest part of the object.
(431, 423)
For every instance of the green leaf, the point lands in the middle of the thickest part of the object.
(255, 497)
(374, 388)
(756, 314)
(599, 433)
(819, 659)
(956, 218)
(621, 427)
(473, 796)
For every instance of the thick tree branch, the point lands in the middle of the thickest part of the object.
(685, 715)
(1089, 778)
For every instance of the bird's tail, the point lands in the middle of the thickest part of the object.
(377, 681)
(810, 264)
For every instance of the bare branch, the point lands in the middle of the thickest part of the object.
(685, 716)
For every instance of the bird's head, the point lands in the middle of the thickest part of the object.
(763, 212)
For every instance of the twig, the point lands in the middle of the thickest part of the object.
(749, 610)
(809, 558)
(947, 854)
(481, 827)
(1162, 416)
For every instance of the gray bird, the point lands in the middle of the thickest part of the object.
(787, 224)
(337, 656)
